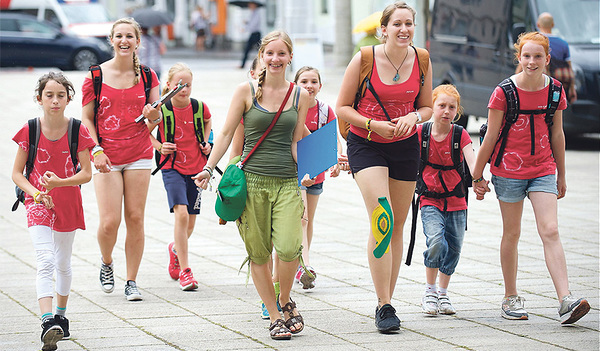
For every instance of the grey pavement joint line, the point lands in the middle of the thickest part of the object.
(127, 321)
(178, 306)
(513, 333)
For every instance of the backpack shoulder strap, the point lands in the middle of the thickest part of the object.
(34, 139)
(554, 95)
(423, 61)
(147, 79)
(425, 136)
(96, 72)
(367, 60)
(168, 122)
(512, 100)
(198, 110)
(456, 150)
(73, 138)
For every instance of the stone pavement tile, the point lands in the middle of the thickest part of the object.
(113, 336)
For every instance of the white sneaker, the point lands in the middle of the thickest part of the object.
(430, 303)
(572, 309)
(513, 308)
(444, 305)
(131, 291)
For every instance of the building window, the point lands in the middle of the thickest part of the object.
(324, 7)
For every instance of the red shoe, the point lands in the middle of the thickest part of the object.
(187, 281)
(174, 268)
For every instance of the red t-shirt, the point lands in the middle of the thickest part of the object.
(398, 100)
(440, 153)
(517, 161)
(312, 123)
(54, 155)
(189, 157)
(124, 141)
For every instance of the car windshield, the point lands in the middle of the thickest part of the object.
(85, 13)
(576, 21)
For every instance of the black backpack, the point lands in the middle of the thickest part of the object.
(513, 110)
(460, 190)
(169, 129)
(34, 139)
(96, 72)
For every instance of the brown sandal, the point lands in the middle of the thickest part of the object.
(279, 331)
(295, 318)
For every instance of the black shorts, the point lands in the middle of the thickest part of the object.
(401, 157)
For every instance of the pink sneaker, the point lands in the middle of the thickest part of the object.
(174, 267)
(187, 281)
(298, 275)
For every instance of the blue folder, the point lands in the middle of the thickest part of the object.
(317, 152)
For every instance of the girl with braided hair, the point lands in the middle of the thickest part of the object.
(123, 152)
(271, 218)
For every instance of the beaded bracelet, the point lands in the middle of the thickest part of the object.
(480, 179)
(368, 125)
(208, 169)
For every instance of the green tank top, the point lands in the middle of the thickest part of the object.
(273, 157)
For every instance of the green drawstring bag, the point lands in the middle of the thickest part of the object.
(231, 192)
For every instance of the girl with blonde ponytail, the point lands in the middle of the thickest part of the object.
(123, 151)
(269, 221)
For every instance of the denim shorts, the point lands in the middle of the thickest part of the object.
(181, 190)
(444, 233)
(514, 190)
(315, 189)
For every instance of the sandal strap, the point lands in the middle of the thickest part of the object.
(289, 307)
(277, 324)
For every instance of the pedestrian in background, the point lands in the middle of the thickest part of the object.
(253, 29)
(53, 199)
(151, 49)
(200, 24)
(271, 217)
(123, 151)
(182, 155)
(560, 57)
(383, 151)
(527, 171)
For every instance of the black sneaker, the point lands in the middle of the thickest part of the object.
(51, 334)
(385, 319)
(64, 324)
(131, 291)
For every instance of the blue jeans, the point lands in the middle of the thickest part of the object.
(444, 233)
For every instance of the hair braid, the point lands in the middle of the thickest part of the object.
(136, 68)
(261, 80)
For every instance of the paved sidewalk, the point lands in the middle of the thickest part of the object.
(223, 314)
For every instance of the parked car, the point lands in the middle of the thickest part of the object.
(471, 46)
(83, 18)
(25, 41)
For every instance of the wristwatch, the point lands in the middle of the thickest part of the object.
(419, 118)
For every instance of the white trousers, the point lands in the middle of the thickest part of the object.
(53, 252)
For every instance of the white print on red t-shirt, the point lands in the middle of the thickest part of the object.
(43, 156)
(512, 161)
(181, 157)
(104, 105)
(521, 123)
(38, 214)
(112, 123)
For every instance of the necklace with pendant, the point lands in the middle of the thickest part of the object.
(397, 76)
